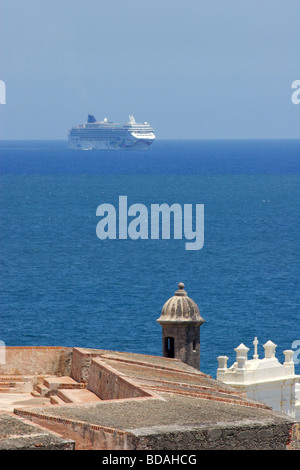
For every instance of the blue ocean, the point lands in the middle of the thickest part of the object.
(63, 286)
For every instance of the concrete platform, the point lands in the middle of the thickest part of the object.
(10, 401)
(54, 383)
(77, 396)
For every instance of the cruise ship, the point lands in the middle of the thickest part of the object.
(96, 135)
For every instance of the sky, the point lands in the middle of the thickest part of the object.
(193, 69)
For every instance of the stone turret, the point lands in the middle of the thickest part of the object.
(181, 320)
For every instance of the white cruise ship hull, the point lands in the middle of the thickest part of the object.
(107, 135)
(109, 144)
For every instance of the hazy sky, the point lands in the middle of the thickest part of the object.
(195, 69)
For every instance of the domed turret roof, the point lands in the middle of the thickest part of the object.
(180, 309)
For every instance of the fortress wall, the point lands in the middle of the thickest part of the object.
(294, 440)
(109, 384)
(219, 436)
(85, 435)
(101, 379)
(36, 360)
(81, 362)
(222, 436)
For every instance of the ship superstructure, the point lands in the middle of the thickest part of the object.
(106, 134)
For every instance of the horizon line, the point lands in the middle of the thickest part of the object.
(168, 139)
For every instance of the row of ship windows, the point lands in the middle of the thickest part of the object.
(77, 139)
(103, 134)
(114, 129)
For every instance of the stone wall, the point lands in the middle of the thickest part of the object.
(36, 360)
(86, 436)
(222, 437)
(81, 362)
(109, 384)
(294, 441)
(101, 379)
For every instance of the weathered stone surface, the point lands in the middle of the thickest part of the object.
(19, 434)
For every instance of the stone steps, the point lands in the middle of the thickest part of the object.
(15, 378)
(15, 384)
(8, 390)
(77, 396)
(62, 390)
(66, 382)
(55, 400)
(51, 385)
(42, 390)
(59, 390)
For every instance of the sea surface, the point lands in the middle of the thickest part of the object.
(63, 286)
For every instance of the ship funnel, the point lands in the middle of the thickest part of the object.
(91, 118)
